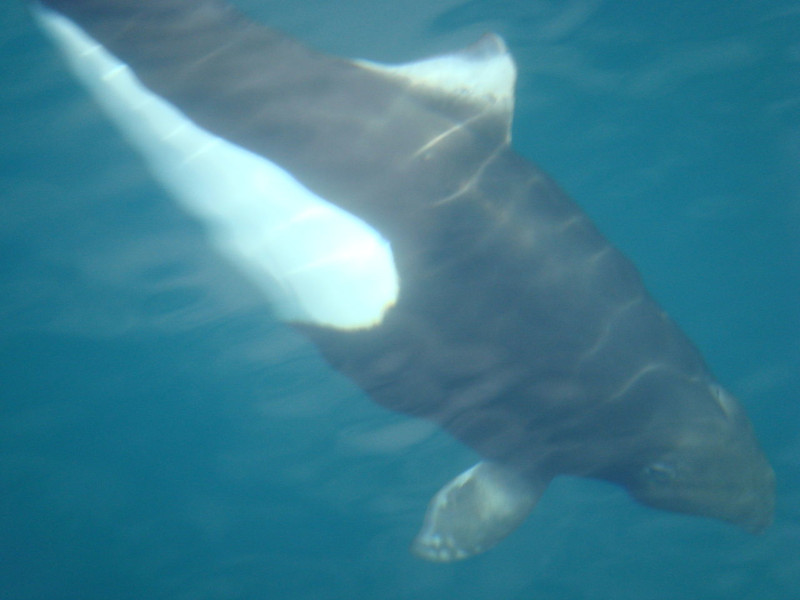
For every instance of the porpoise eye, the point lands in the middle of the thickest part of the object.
(659, 473)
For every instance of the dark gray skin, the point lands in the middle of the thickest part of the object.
(519, 329)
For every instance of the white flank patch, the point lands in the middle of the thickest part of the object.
(318, 263)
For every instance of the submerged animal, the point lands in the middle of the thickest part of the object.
(385, 214)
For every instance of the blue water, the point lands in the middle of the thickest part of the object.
(162, 436)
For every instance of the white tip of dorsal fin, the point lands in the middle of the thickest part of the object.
(483, 73)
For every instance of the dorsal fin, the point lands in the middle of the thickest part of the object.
(483, 73)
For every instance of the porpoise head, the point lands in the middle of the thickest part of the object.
(711, 466)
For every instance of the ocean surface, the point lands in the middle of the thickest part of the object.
(163, 436)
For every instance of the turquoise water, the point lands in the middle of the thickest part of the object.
(162, 436)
